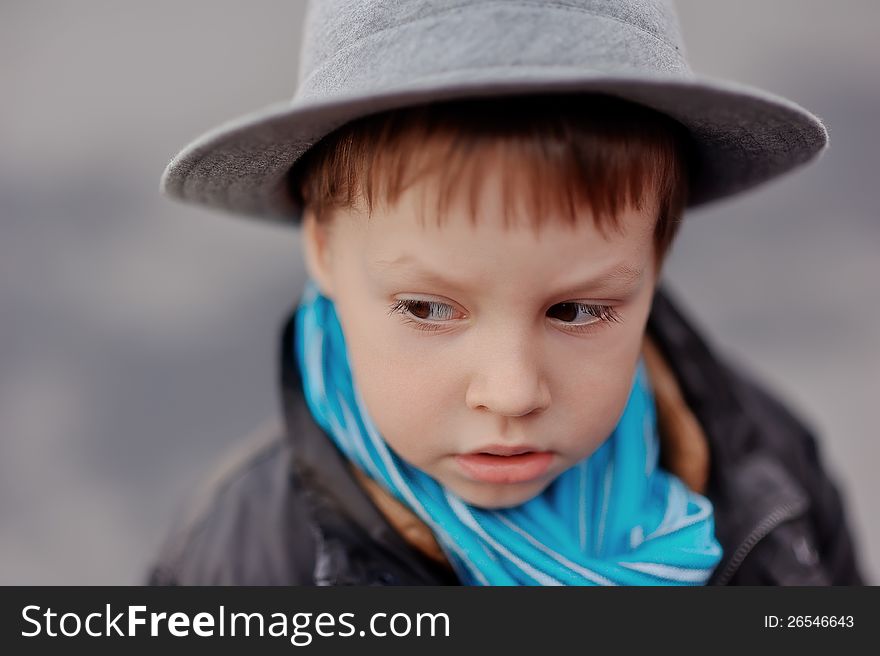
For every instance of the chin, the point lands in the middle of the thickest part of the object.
(496, 497)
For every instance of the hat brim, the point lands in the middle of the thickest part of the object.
(743, 136)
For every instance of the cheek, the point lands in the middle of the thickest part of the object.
(405, 390)
(591, 398)
(596, 405)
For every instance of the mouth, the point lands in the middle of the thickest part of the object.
(505, 464)
(502, 450)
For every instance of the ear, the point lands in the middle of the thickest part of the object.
(316, 251)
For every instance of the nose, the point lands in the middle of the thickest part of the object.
(508, 380)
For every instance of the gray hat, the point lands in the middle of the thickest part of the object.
(360, 57)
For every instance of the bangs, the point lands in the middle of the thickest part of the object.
(557, 156)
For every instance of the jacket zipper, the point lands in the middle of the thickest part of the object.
(779, 515)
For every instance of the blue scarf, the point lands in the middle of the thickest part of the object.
(615, 518)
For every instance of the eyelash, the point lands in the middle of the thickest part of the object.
(605, 313)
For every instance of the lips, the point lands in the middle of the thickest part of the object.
(505, 464)
(502, 450)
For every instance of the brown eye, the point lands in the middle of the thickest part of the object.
(565, 311)
(583, 314)
(571, 312)
(423, 310)
(419, 309)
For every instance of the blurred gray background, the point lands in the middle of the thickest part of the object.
(138, 336)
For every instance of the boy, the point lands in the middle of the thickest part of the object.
(484, 381)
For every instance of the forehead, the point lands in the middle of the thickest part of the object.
(485, 245)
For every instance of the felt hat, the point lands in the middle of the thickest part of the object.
(359, 57)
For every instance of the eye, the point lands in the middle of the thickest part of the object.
(430, 315)
(424, 315)
(583, 316)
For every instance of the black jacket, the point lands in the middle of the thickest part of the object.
(286, 510)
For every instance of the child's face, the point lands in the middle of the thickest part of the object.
(501, 362)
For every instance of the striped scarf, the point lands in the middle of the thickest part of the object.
(615, 518)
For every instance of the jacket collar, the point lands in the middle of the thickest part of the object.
(748, 489)
(751, 492)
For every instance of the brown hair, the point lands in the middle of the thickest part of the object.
(575, 151)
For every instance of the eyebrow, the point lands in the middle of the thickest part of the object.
(620, 274)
